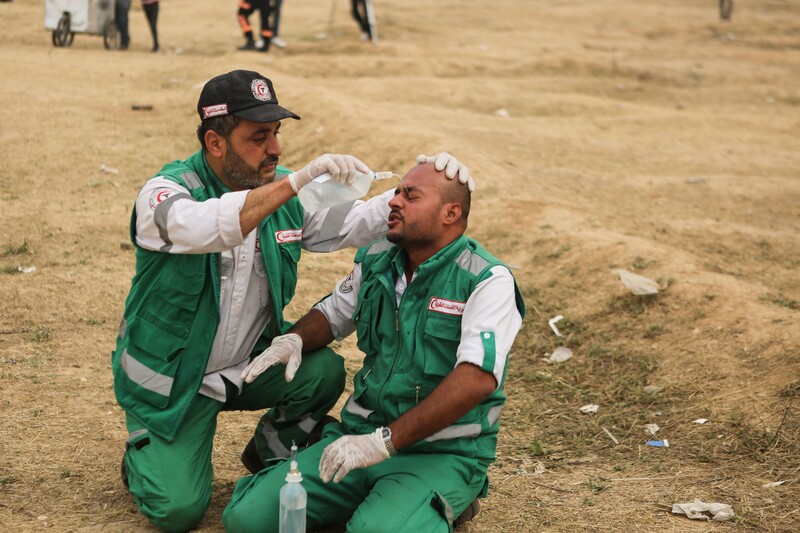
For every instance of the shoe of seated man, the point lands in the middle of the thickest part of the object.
(123, 473)
(277, 41)
(468, 514)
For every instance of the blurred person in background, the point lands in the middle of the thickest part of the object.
(361, 11)
(151, 12)
(121, 8)
(275, 10)
(247, 8)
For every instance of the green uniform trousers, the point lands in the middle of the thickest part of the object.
(405, 493)
(171, 481)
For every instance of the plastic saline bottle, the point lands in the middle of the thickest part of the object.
(324, 192)
(293, 499)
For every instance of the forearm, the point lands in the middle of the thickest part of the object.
(262, 202)
(314, 329)
(364, 222)
(462, 390)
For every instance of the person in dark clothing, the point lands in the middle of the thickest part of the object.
(151, 12)
(275, 9)
(247, 8)
(361, 14)
(121, 8)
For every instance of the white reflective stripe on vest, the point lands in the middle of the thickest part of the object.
(307, 424)
(353, 406)
(450, 432)
(456, 432)
(494, 414)
(144, 376)
(466, 430)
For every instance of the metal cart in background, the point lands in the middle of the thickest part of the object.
(67, 17)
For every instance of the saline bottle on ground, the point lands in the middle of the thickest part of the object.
(293, 498)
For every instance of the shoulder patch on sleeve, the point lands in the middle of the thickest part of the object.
(347, 284)
(472, 263)
(159, 195)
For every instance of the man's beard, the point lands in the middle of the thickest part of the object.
(240, 175)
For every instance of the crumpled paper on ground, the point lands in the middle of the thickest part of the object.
(638, 285)
(697, 510)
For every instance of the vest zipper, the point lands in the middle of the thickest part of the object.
(399, 347)
(417, 387)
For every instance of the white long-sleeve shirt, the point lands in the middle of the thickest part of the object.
(490, 307)
(169, 220)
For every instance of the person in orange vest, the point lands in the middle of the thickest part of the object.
(247, 8)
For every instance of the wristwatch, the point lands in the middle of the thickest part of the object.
(386, 433)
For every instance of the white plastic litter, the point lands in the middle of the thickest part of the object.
(540, 469)
(698, 510)
(561, 354)
(108, 170)
(610, 436)
(552, 323)
(502, 112)
(774, 483)
(651, 428)
(26, 270)
(652, 389)
(701, 421)
(589, 408)
(638, 285)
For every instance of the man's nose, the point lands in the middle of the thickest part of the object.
(273, 147)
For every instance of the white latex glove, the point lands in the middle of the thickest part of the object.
(452, 167)
(285, 349)
(342, 168)
(349, 452)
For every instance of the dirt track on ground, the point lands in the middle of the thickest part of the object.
(648, 136)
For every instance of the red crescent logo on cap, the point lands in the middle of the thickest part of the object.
(260, 90)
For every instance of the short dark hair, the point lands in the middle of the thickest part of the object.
(456, 192)
(223, 125)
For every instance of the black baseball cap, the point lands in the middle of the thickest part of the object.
(242, 93)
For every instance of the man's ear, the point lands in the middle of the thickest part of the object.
(452, 213)
(216, 145)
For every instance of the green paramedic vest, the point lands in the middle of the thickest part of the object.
(172, 310)
(409, 351)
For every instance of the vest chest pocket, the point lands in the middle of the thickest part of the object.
(365, 327)
(442, 335)
(181, 292)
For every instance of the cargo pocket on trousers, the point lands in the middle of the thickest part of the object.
(145, 478)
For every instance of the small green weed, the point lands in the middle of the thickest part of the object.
(40, 334)
(17, 250)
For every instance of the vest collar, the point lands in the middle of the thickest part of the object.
(433, 263)
(214, 185)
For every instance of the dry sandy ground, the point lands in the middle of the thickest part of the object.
(645, 135)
